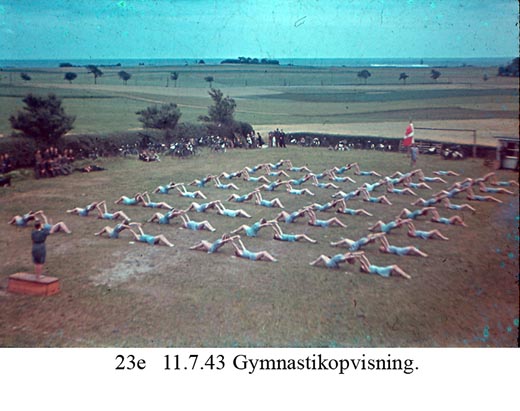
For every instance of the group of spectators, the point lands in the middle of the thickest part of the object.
(51, 162)
(277, 138)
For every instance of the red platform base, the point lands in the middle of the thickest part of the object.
(26, 283)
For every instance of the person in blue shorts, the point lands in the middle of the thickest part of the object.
(229, 186)
(355, 245)
(391, 189)
(315, 222)
(277, 165)
(385, 271)
(195, 225)
(275, 202)
(147, 202)
(52, 228)
(494, 190)
(130, 201)
(334, 261)
(381, 199)
(299, 181)
(412, 215)
(427, 203)
(337, 179)
(293, 191)
(105, 215)
(359, 172)
(188, 194)
(347, 196)
(423, 178)
(201, 208)
(453, 220)
(425, 235)
(326, 206)
(275, 173)
(148, 238)
(470, 195)
(242, 252)
(113, 232)
(165, 218)
(457, 207)
(316, 183)
(369, 187)
(247, 177)
(445, 173)
(230, 213)
(409, 183)
(252, 230)
(271, 186)
(229, 176)
(290, 217)
(341, 208)
(281, 236)
(240, 199)
(164, 189)
(387, 248)
(83, 211)
(202, 182)
(23, 220)
(342, 169)
(303, 169)
(213, 247)
(494, 181)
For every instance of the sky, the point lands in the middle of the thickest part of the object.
(98, 29)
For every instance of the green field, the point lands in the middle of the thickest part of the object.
(333, 99)
(119, 294)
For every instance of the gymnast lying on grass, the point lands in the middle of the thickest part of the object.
(281, 236)
(392, 249)
(213, 247)
(252, 230)
(242, 252)
(148, 238)
(105, 215)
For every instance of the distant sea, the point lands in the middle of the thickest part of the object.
(302, 62)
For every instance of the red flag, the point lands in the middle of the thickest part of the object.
(408, 136)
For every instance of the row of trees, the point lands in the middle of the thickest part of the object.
(365, 74)
(44, 118)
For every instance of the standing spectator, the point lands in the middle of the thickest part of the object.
(260, 141)
(282, 139)
(414, 153)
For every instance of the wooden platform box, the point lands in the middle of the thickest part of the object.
(28, 284)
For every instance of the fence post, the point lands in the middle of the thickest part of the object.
(474, 143)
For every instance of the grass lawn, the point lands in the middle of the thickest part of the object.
(119, 294)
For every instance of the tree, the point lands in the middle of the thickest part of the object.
(164, 117)
(435, 74)
(70, 76)
(364, 74)
(123, 75)
(42, 118)
(25, 76)
(174, 76)
(210, 80)
(403, 76)
(95, 71)
(511, 70)
(222, 110)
